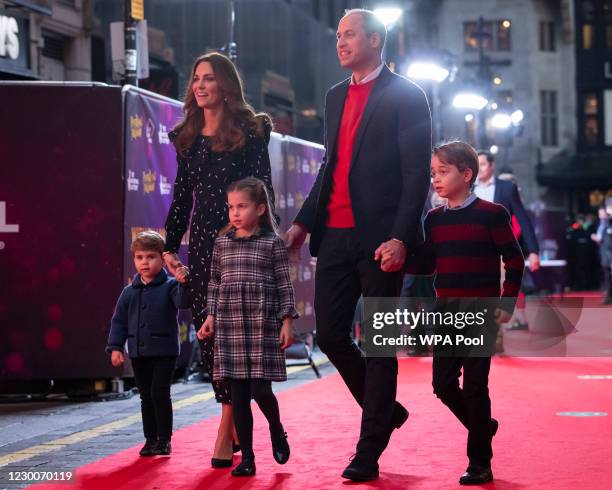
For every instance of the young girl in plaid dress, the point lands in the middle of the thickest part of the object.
(251, 308)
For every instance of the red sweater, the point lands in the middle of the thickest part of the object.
(340, 213)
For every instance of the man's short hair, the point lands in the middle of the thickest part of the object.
(148, 241)
(460, 155)
(489, 155)
(371, 23)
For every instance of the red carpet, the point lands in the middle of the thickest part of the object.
(534, 448)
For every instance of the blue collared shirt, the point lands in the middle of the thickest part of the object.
(470, 199)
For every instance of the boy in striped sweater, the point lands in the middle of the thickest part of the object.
(464, 241)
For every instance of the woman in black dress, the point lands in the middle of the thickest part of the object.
(220, 140)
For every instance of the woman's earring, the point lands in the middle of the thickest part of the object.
(225, 99)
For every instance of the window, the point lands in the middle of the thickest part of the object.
(54, 46)
(504, 100)
(591, 120)
(503, 35)
(607, 113)
(607, 16)
(588, 25)
(495, 35)
(547, 36)
(548, 108)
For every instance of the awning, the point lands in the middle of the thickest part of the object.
(30, 6)
(576, 170)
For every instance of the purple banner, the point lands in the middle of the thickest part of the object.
(301, 164)
(150, 171)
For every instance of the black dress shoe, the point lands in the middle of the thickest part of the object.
(475, 475)
(235, 447)
(518, 326)
(148, 448)
(221, 463)
(361, 470)
(400, 415)
(280, 446)
(245, 468)
(163, 448)
(494, 427)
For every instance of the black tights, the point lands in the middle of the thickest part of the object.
(261, 391)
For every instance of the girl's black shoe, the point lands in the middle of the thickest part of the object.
(149, 447)
(235, 447)
(221, 463)
(280, 446)
(245, 468)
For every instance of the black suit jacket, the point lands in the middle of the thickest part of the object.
(507, 194)
(389, 171)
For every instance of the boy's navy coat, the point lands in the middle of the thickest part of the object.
(145, 316)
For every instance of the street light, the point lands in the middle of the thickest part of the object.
(469, 101)
(427, 71)
(388, 15)
(436, 74)
(501, 121)
(516, 117)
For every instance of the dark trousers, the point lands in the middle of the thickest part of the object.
(242, 390)
(607, 280)
(153, 378)
(470, 404)
(344, 272)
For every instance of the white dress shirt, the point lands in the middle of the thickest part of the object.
(369, 77)
(485, 190)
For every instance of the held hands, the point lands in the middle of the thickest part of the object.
(502, 316)
(117, 358)
(176, 267)
(294, 239)
(534, 262)
(286, 333)
(392, 255)
(182, 274)
(207, 328)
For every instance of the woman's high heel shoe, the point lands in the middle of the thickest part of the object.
(245, 468)
(221, 463)
(235, 447)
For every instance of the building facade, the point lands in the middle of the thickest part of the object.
(46, 40)
(585, 172)
(529, 65)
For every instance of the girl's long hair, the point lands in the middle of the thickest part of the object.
(238, 119)
(258, 193)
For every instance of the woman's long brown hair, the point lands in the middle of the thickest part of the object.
(258, 193)
(238, 119)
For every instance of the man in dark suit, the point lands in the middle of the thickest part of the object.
(505, 192)
(363, 214)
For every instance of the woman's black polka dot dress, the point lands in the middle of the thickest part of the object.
(204, 175)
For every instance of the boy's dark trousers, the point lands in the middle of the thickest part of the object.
(471, 405)
(153, 378)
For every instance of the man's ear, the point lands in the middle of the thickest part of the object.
(376, 40)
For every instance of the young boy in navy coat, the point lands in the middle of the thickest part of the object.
(145, 316)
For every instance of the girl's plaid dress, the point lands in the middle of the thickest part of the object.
(249, 293)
